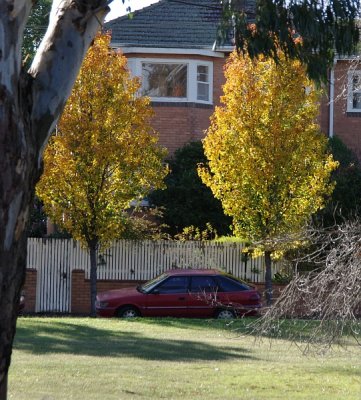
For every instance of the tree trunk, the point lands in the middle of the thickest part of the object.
(93, 276)
(268, 277)
(19, 172)
(30, 105)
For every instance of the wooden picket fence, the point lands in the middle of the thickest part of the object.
(55, 259)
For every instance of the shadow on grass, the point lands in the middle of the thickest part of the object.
(199, 323)
(308, 334)
(286, 329)
(54, 336)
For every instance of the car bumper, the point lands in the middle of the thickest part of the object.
(103, 310)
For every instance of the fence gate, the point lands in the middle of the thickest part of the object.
(54, 277)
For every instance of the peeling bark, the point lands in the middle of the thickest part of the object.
(30, 105)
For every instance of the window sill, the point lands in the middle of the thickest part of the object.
(181, 104)
(353, 114)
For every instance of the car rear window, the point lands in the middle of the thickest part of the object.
(231, 285)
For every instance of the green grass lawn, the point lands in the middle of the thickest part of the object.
(106, 359)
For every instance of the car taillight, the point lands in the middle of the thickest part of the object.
(255, 296)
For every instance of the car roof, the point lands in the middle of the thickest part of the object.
(189, 271)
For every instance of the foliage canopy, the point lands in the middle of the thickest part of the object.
(267, 159)
(326, 28)
(35, 28)
(104, 154)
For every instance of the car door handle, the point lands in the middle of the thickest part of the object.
(181, 298)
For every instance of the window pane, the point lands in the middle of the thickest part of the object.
(203, 284)
(230, 285)
(356, 100)
(202, 73)
(202, 83)
(203, 91)
(356, 83)
(175, 284)
(164, 80)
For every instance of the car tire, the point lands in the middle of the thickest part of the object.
(128, 312)
(225, 313)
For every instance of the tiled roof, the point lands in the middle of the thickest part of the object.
(190, 24)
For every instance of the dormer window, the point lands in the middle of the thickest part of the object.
(174, 80)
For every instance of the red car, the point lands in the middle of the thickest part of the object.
(200, 293)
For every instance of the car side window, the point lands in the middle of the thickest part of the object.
(175, 284)
(230, 285)
(201, 284)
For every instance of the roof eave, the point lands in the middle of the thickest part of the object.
(207, 52)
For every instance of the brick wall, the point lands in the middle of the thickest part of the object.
(324, 116)
(347, 126)
(179, 125)
(80, 291)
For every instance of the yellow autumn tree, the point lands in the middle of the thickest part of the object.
(104, 154)
(268, 163)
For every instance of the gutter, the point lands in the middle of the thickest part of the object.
(168, 50)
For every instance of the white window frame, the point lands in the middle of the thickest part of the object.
(203, 83)
(135, 66)
(350, 91)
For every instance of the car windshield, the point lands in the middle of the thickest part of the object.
(148, 286)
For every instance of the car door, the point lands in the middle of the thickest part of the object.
(203, 296)
(236, 294)
(169, 298)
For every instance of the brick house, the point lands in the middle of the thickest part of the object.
(341, 112)
(172, 45)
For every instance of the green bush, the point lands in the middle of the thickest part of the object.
(345, 202)
(186, 200)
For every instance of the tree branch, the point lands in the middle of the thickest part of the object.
(13, 17)
(72, 27)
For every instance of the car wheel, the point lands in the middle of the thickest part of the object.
(225, 314)
(128, 312)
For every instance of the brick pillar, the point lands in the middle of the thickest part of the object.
(80, 293)
(29, 289)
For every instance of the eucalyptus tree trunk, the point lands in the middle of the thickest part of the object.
(268, 277)
(30, 105)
